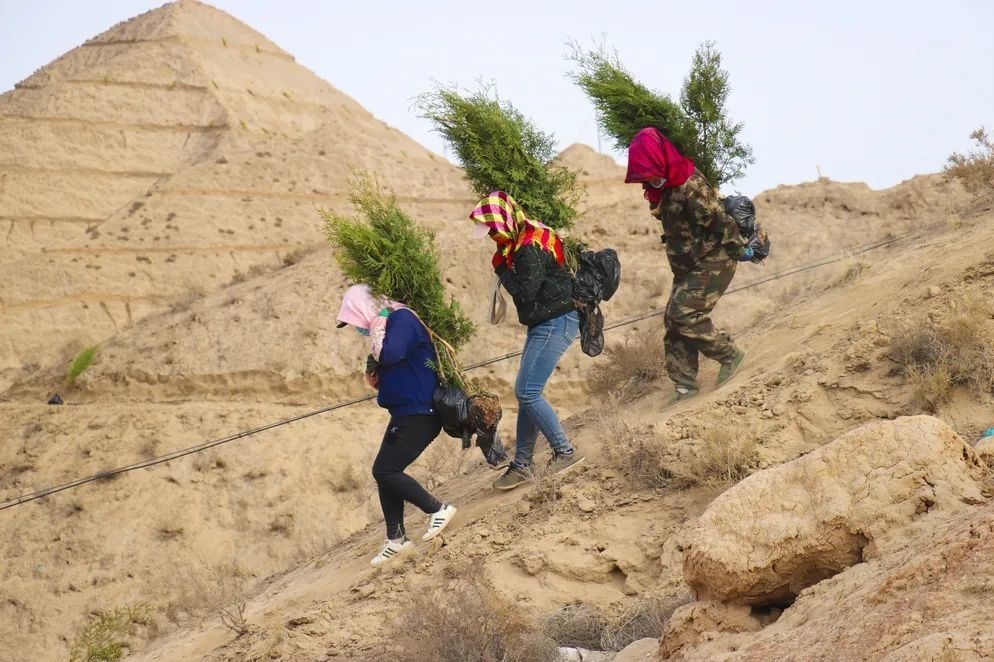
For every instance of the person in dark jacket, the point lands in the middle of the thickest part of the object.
(397, 367)
(703, 246)
(529, 262)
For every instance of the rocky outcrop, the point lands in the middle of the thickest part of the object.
(789, 527)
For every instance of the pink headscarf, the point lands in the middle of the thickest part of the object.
(650, 155)
(362, 310)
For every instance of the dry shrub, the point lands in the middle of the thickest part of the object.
(441, 462)
(220, 591)
(975, 169)
(643, 618)
(640, 454)
(627, 369)
(547, 491)
(852, 272)
(576, 624)
(723, 457)
(586, 626)
(466, 619)
(957, 350)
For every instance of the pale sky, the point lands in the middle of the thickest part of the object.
(868, 91)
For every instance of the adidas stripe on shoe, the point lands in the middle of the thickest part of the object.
(438, 521)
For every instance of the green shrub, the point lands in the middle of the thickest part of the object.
(80, 364)
(103, 637)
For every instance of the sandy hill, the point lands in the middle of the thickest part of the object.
(158, 160)
(159, 192)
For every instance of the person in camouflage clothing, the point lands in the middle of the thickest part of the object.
(703, 246)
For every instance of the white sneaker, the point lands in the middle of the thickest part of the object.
(438, 521)
(392, 550)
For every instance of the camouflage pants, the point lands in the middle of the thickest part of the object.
(689, 330)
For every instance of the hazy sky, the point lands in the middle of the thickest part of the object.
(868, 91)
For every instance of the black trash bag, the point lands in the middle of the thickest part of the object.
(492, 448)
(609, 266)
(741, 208)
(597, 276)
(452, 407)
(591, 329)
(55, 400)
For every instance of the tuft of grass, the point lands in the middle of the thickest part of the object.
(466, 619)
(719, 457)
(644, 618)
(975, 169)
(104, 637)
(956, 350)
(629, 368)
(80, 363)
(724, 457)
(640, 454)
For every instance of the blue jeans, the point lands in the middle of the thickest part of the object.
(544, 346)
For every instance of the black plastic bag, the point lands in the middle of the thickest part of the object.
(597, 276)
(452, 407)
(591, 329)
(741, 208)
(492, 448)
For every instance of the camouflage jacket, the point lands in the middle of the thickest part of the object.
(695, 223)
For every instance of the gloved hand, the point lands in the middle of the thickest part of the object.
(746, 255)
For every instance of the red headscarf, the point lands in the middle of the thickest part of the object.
(650, 155)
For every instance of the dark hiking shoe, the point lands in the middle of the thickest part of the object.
(513, 477)
(563, 461)
(730, 368)
(679, 394)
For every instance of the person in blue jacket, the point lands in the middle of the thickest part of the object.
(400, 352)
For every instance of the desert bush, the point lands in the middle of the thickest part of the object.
(576, 624)
(955, 350)
(220, 590)
(641, 619)
(711, 457)
(440, 463)
(639, 453)
(629, 368)
(723, 457)
(467, 619)
(975, 169)
(80, 363)
(105, 635)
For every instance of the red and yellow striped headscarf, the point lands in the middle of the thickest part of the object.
(511, 229)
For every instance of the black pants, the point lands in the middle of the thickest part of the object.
(405, 439)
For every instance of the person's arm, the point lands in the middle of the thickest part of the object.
(524, 280)
(708, 212)
(401, 338)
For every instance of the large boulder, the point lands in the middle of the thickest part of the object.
(786, 528)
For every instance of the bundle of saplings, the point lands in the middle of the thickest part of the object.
(500, 149)
(698, 125)
(383, 248)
